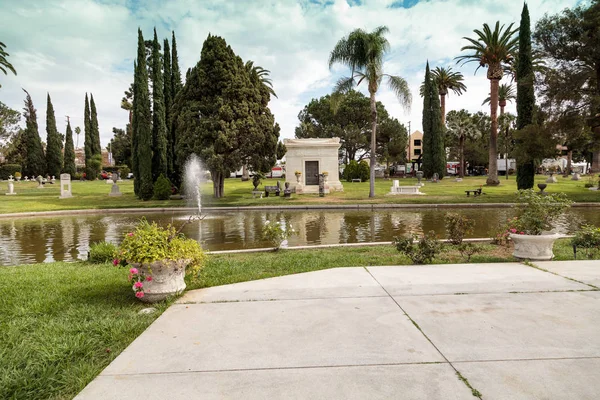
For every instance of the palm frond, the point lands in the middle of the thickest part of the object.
(399, 86)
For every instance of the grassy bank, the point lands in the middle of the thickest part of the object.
(94, 195)
(61, 324)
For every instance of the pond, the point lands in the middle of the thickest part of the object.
(67, 238)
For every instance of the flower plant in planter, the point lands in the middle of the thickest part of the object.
(158, 259)
(530, 230)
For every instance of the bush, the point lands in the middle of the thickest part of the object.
(538, 213)
(101, 252)
(364, 171)
(355, 170)
(457, 227)
(588, 238)
(77, 176)
(162, 188)
(124, 172)
(276, 232)
(9, 169)
(468, 249)
(422, 252)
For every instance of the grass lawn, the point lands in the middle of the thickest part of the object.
(94, 195)
(61, 324)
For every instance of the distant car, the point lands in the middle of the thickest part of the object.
(130, 175)
(104, 175)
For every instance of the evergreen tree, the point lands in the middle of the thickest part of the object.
(35, 163)
(175, 71)
(134, 141)
(159, 126)
(176, 86)
(168, 103)
(525, 97)
(69, 163)
(94, 129)
(87, 144)
(434, 153)
(143, 124)
(54, 157)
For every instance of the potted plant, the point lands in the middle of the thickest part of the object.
(18, 176)
(158, 259)
(530, 231)
(298, 175)
(325, 176)
(257, 180)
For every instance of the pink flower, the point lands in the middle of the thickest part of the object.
(133, 271)
(130, 234)
(513, 230)
(115, 262)
(522, 233)
(138, 285)
(139, 295)
(149, 278)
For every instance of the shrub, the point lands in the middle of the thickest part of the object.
(355, 170)
(162, 188)
(124, 172)
(101, 252)
(276, 232)
(77, 176)
(422, 252)
(457, 227)
(9, 169)
(588, 238)
(257, 179)
(537, 212)
(468, 249)
(364, 171)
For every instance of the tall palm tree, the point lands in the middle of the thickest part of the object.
(363, 53)
(460, 126)
(4, 64)
(505, 93)
(446, 80)
(492, 49)
(262, 75)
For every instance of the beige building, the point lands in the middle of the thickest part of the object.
(415, 146)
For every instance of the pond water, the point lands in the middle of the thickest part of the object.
(67, 238)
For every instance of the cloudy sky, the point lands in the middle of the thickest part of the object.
(70, 47)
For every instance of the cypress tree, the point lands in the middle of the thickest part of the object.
(159, 126)
(87, 144)
(35, 163)
(143, 124)
(176, 86)
(168, 103)
(69, 163)
(176, 83)
(94, 129)
(525, 96)
(54, 158)
(134, 142)
(434, 153)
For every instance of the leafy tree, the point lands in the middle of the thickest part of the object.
(525, 96)
(167, 92)
(492, 49)
(159, 126)
(142, 126)
(434, 153)
(35, 163)
(54, 157)
(506, 93)
(392, 141)
(262, 75)
(88, 141)
(363, 52)
(476, 149)
(460, 127)
(94, 129)
(9, 122)
(445, 80)
(120, 145)
(4, 64)
(69, 156)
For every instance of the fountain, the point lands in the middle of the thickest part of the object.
(193, 176)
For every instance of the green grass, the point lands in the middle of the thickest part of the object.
(61, 323)
(94, 195)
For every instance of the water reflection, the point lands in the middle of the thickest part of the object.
(33, 240)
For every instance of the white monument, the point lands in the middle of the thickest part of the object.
(397, 189)
(114, 191)
(11, 186)
(65, 186)
(312, 157)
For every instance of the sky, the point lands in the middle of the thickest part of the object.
(70, 47)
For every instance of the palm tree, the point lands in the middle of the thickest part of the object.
(492, 49)
(505, 93)
(4, 64)
(363, 53)
(537, 62)
(262, 75)
(460, 126)
(446, 80)
(77, 131)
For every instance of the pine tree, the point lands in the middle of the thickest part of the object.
(143, 124)
(94, 129)
(525, 96)
(35, 163)
(159, 126)
(87, 145)
(168, 103)
(434, 153)
(69, 157)
(134, 142)
(54, 158)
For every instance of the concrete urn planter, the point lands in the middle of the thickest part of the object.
(534, 247)
(167, 279)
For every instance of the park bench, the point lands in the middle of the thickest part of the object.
(272, 189)
(475, 192)
(356, 180)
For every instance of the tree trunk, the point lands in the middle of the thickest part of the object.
(569, 160)
(443, 107)
(493, 154)
(461, 145)
(218, 179)
(373, 144)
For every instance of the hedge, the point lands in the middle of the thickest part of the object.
(9, 169)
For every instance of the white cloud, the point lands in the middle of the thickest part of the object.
(69, 47)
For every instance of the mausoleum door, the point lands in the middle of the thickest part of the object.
(311, 169)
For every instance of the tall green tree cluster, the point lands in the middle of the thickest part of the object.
(92, 148)
(69, 155)
(434, 153)
(54, 156)
(159, 124)
(222, 115)
(34, 160)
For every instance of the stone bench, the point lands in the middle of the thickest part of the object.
(397, 189)
(475, 192)
(272, 189)
(356, 180)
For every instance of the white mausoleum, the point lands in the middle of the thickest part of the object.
(312, 157)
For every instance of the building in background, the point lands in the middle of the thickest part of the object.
(415, 146)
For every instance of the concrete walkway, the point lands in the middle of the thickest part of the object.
(494, 331)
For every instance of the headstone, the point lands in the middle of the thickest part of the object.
(551, 179)
(436, 178)
(458, 180)
(65, 186)
(26, 179)
(40, 182)
(11, 186)
(53, 179)
(321, 185)
(287, 192)
(419, 175)
(114, 190)
(576, 177)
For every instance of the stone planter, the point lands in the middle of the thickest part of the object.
(167, 279)
(534, 247)
(298, 176)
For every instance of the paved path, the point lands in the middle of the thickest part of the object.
(510, 331)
